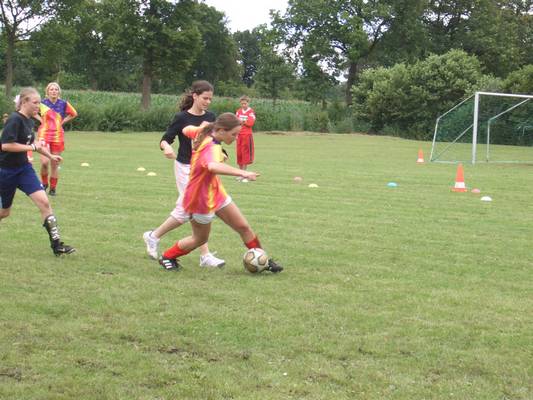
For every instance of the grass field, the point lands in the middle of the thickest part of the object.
(413, 292)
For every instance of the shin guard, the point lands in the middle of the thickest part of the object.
(50, 224)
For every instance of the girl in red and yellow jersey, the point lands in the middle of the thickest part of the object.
(54, 113)
(205, 195)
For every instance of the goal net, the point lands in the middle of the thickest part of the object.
(486, 127)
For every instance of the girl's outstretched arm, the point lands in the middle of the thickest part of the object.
(224, 169)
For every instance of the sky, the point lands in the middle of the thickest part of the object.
(247, 14)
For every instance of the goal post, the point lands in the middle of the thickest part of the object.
(499, 123)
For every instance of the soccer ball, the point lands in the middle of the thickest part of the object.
(255, 260)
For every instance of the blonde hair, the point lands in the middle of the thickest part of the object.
(23, 96)
(50, 85)
(226, 121)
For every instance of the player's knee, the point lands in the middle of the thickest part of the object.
(44, 205)
(4, 213)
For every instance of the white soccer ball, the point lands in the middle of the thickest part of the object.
(255, 260)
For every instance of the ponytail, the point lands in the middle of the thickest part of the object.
(204, 132)
(186, 101)
(226, 121)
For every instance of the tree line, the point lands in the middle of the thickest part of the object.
(315, 50)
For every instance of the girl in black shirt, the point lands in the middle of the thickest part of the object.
(16, 171)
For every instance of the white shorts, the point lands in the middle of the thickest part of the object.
(205, 219)
(181, 172)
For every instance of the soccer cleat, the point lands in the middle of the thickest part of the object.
(45, 186)
(52, 192)
(61, 248)
(169, 264)
(210, 261)
(244, 180)
(152, 244)
(273, 266)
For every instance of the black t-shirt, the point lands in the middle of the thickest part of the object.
(181, 120)
(18, 129)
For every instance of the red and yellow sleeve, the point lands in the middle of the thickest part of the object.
(191, 131)
(69, 110)
(41, 131)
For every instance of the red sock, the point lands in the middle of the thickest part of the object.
(44, 179)
(175, 252)
(53, 182)
(254, 243)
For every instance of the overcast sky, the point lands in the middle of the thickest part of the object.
(247, 14)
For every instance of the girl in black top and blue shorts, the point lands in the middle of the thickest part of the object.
(16, 172)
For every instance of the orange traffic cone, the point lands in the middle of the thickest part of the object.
(459, 180)
(420, 159)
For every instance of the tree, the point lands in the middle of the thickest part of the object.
(345, 33)
(162, 34)
(274, 73)
(18, 20)
(498, 32)
(315, 80)
(218, 50)
(53, 47)
(520, 81)
(249, 51)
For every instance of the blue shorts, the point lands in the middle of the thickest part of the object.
(23, 178)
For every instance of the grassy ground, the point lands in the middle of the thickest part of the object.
(413, 292)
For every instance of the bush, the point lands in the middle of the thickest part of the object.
(6, 107)
(520, 81)
(67, 79)
(109, 111)
(408, 98)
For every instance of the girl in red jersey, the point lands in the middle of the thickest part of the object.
(245, 140)
(54, 113)
(205, 195)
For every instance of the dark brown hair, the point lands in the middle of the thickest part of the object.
(197, 87)
(226, 121)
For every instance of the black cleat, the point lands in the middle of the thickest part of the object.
(273, 266)
(169, 264)
(61, 248)
(52, 192)
(45, 187)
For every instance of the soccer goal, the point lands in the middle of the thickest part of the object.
(489, 127)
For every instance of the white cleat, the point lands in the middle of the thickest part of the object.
(152, 244)
(210, 261)
(244, 180)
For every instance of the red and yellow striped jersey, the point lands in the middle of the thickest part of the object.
(204, 193)
(52, 115)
